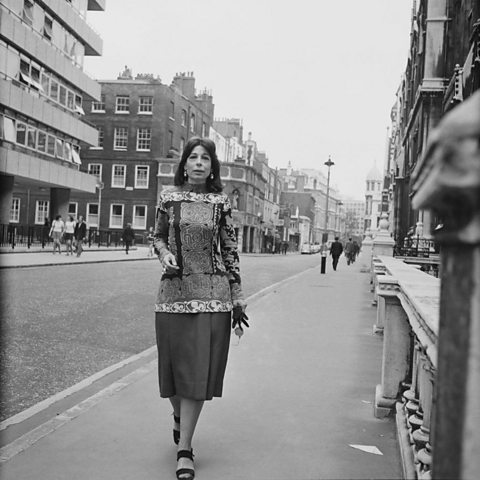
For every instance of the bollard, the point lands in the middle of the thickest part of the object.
(323, 263)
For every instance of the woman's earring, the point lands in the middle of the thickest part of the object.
(185, 174)
(212, 176)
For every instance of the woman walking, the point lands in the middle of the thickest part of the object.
(56, 232)
(199, 289)
(69, 231)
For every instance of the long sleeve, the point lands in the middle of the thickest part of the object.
(229, 251)
(160, 236)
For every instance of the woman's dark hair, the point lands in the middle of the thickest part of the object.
(58, 217)
(213, 185)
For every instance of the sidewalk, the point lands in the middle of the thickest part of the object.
(89, 255)
(298, 394)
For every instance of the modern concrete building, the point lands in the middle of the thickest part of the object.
(42, 91)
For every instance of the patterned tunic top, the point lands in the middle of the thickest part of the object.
(197, 228)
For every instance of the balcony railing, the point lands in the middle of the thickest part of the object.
(407, 314)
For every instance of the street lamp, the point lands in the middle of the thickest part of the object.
(323, 264)
(328, 163)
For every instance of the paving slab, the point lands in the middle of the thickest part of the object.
(298, 394)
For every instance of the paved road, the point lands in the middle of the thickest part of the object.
(62, 324)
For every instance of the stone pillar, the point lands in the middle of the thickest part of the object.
(59, 200)
(448, 182)
(6, 194)
(365, 256)
(383, 243)
(396, 348)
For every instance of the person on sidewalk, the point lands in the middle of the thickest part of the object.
(336, 250)
(128, 236)
(349, 251)
(69, 233)
(200, 291)
(80, 233)
(150, 239)
(56, 232)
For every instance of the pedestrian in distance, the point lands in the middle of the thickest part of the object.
(128, 236)
(80, 233)
(200, 291)
(56, 232)
(336, 250)
(69, 233)
(349, 251)
(150, 238)
(356, 249)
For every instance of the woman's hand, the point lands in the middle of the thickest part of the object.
(169, 263)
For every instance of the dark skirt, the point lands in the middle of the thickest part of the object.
(192, 353)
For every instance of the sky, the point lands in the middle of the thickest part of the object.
(309, 78)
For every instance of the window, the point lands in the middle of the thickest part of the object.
(58, 147)
(92, 214)
(76, 154)
(78, 105)
(182, 144)
(141, 176)
(204, 129)
(15, 210)
(118, 176)
(8, 129)
(73, 209)
(51, 145)
(99, 106)
(28, 11)
(144, 136)
(47, 27)
(41, 141)
(70, 100)
(172, 110)
(140, 217)
(31, 137)
(170, 139)
(67, 151)
(122, 104)
(45, 81)
(41, 211)
(62, 95)
(95, 169)
(184, 118)
(116, 215)
(21, 133)
(145, 105)
(54, 90)
(192, 123)
(120, 139)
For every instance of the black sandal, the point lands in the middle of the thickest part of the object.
(176, 433)
(187, 473)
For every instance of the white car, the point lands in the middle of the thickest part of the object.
(306, 249)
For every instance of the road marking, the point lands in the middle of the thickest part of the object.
(38, 407)
(29, 438)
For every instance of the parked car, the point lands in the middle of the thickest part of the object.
(315, 247)
(306, 249)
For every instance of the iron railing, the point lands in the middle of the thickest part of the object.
(16, 235)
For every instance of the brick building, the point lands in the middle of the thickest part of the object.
(142, 125)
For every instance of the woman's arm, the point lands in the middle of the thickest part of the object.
(229, 251)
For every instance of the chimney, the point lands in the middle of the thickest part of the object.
(185, 82)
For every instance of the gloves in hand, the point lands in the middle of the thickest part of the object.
(239, 317)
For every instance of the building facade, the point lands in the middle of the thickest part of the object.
(142, 123)
(42, 99)
(443, 69)
(373, 199)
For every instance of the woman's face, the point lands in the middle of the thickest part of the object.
(198, 165)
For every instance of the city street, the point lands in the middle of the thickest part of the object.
(64, 324)
(297, 398)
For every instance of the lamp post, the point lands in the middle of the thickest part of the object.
(323, 264)
(328, 163)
